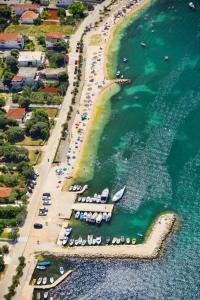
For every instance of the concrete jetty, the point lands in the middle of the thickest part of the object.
(93, 207)
(55, 283)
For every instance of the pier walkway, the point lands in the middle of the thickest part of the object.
(55, 283)
(93, 207)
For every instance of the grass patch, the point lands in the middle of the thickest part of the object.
(28, 141)
(4, 234)
(34, 156)
(51, 111)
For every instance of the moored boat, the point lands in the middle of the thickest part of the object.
(38, 296)
(94, 242)
(114, 240)
(39, 281)
(119, 195)
(68, 231)
(104, 195)
(109, 215)
(61, 270)
(51, 279)
(43, 263)
(98, 240)
(71, 242)
(65, 241)
(99, 218)
(128, 240)
(46, 294)
(90, 239)
(108, 240)
(191, 5)
(133, 241)
(77, 215)
(122, 239)
(41, 267)
(142, 44)
(44, 280)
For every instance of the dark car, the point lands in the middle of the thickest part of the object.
(37, 225)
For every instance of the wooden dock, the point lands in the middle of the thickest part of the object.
(93, 207)
(55, 283)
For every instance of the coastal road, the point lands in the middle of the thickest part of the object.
(24, 243)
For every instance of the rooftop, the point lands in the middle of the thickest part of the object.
(29, 15)
(5, 192)
(10, 36)
(27, 72)
(26, 6)
(17, 78)
(15, 113)
(30, 56)
(54, 35)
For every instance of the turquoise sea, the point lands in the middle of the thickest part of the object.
(151, 144)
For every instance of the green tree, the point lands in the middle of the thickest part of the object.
(24, 102)
(63, 77)
(5, 249)
(2, 102)
(56, 59)
(41, 40)
(13, 234)
(12, 63)
(77, 9)
(15, 53)
(61, 12)
(40, 130)
(25, 169)
(60, 46)
(15, 134)
(2, 265)
(7, 77)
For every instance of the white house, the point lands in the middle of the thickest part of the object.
(11, 40)
(19, 9)
(63, 3)
(31, 59)
(28, 17)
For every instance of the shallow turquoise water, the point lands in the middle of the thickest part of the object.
(151, 144)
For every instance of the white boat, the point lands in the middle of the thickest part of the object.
(114, 240)
(125, 59)
(143, 45)
(65, 240)
(104, 195)
(98, 240)
(128, 240)
(191, 5)
(39, 281)
(71, 242)
(51, 280)
(44, 280)
(41, 267)
(104, 216)
(46, 294)
(118, 73)
(118, 241)
(61, 270)
(99, 218)
(83, 242)
(94, 242)
(38, 296)
(109, 215)
(76, 242)
(118, 195)
(80, 239)
(68, 231)
(90, 239)
(77, 215)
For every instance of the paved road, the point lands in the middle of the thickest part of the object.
(44, 168)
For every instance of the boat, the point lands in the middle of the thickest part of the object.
(77, 215)
(122, 239)
(44, 280)
(140, 234)
(39, 281)
(118, 241)
(104, 216)
(80, 240)
(43, 263)
(71, 188)
(90, 239)
(133, 241)
(83, 242)
(119, 195)
(114, 240)
(41, 267)
(46, 294)
(109, 215)
(38, 296)
(125, 59)
(81, 215)
(128, 240)
(98, 240)
(76, 242)
(118, 73)
(99, 218)
(68, 231)
(191, 5)
(51, 280)
(108, 240)
(142, 44)
(85, 215)
(94, 216)
(104, 195)
(65, 241)
(94, 242)
(71, 242)
(61, 270)
(166, 57)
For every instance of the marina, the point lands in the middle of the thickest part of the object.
(84, 207)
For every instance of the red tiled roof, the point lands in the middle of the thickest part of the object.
(29, 15)
(15, 113)
(54, 35)
(26, 6)
(17, 79)
(5, 192)
(10, 36)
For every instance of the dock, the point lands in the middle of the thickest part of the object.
(55, 283)
(93, 207)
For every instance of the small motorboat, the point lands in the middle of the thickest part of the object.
(46, 294)
(104, 216)
(122, 239)
(142, 44)
(65, 241)
(43, 263)
(166, 58)
(71, 242)
(191, 5)
(51, 280)
(114, 240)
(77, 215)
(41, 267)
(38, 296)
(81, 215)
(133, 241)
(68, 231)
(119, 195)
(125, 59)
(71, 188)
(90, 239)
(76, 242)
(83, 242)
(118, 241)
(118, 73)
(128, 241)
(39, 281)
(98, 240)
(61, 270)
(104, 195)
(99, 218)
(108, 240)
(94, 242)
(109, 215)
(44, 280)
(80, 239)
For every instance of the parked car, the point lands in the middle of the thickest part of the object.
(37, 225)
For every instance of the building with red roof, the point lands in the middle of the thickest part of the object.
(11, 40)
(5, 192)
(17, 114)
(17, 81)
(28, 17)
(53, 37)
(19, 9)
